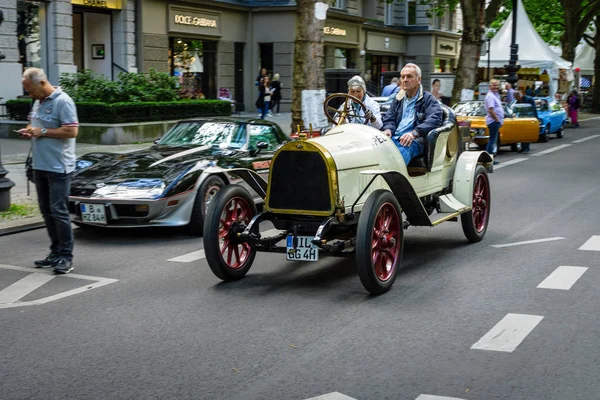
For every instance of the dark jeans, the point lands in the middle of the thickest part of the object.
(493, 140)
(275, 103)
(53, 199)
(265, 110)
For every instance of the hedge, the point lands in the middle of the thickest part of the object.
(132, 112)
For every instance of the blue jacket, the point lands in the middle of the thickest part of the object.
(428, 114)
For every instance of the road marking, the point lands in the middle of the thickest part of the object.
(189, 257)
(585, 138)
(527, 242)
(511, 162)
(593, 244)
(553, 149)
(562, 278)
(432, 397)
(332, 396)
(25, 288)
(508, 333)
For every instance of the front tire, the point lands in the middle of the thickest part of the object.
(207, 191)
(544, 136)
(228, 213)
(561, 131)
(379, 242)
(475, 222)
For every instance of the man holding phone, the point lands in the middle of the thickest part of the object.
(53, 127)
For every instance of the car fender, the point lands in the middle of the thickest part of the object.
(250, 177)
(464, 174)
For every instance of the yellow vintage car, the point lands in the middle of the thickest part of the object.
(520, 124)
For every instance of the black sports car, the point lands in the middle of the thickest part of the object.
(171, 182)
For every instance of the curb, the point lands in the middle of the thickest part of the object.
(22, 227)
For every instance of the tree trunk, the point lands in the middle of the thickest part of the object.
(473, 29)
(309, 59)
(570, 37)
(596, 90)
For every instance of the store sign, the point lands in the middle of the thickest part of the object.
(340, 32)
(188, 20)
(108, 4)
(331, 30)
(447, 47)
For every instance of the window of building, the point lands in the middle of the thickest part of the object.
(411, 15)
(339, 4)
(31, 38)
(444, 65)
(341, 57)
(389, 14)
(194, 62)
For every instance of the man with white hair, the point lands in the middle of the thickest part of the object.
(53, 127)
(413, 113)
(358, 89)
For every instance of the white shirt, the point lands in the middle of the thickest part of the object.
(370, 104)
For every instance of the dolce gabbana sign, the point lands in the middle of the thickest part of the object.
(340, 32)
(185, 20)
(331, 30)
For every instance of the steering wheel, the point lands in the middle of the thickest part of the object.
(347, 110)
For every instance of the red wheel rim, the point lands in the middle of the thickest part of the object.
(236, 210)
(386, 241)
(481, 203)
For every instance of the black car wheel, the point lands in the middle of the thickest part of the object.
(544, 136)
(561, 131)
(207, 191)
(379, 242)
(228, 214)
(475, 222)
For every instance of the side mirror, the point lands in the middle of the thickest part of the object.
(157, 140)
(259, 146)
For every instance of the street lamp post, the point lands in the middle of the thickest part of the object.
(5, 183)
(512, 68)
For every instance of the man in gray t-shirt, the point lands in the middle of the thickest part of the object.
(53, 127)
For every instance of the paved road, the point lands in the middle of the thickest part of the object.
(463, 321)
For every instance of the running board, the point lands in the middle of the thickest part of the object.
(443, 217)
(449, 204)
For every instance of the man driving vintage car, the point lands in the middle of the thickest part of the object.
(358, 89)
(412, 114)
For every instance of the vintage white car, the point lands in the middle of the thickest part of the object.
(349, 192)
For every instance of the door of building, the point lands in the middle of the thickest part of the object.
(238, 65)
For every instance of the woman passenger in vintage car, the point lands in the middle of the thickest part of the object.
(358, 89)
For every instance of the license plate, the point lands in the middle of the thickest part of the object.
(304, 251)
(93, 213)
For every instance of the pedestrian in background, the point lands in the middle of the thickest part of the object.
(275, 93)
(494, 118)
(392, 88)
(257, 83)
(574, 104)
(510, 93)
(53, 127)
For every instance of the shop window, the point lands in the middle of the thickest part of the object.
(339, 4)
(30, 33)
(443, 65)
(411, 15)
(342, 59)
(194, 63)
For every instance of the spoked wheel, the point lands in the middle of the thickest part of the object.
(475, 222)
(228, 213)
(343, 111)
(379, 242)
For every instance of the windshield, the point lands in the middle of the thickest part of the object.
(476, 109)
(226, 134)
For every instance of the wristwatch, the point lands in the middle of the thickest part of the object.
(415, 134)
(44, 131)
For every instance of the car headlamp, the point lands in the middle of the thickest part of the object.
(132, 189)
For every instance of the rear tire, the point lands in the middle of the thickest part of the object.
(475, 222)
(544, 136)
(561, 131)
(208, 189)
(227, 258)
(379, 242)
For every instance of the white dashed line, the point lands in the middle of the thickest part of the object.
(593, 244)
(510, 162)
(563, 278)
(189, 257)
(508, 333)
(432, 397)
(527, 242)
(551, 150)
(332, 396)
(585, 138)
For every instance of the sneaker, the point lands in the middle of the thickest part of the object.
(277, 114)
(496, 162)
(63, 266)
(525, 151)
(48, 262)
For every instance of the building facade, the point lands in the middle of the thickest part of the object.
(217, 48)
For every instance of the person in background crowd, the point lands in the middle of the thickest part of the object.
(495, 116)
(257, 83)
(529, 91)
(358, 89)
(265, 89)
(276, 93)
(53, 127)
(435, 89)
(527, 100)
(574, 103)
(391, 88)
(412, 114)
(510, 93)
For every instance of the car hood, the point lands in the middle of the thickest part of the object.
(155, 163)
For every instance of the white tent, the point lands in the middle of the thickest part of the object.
(533, 51)
(584, 59)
